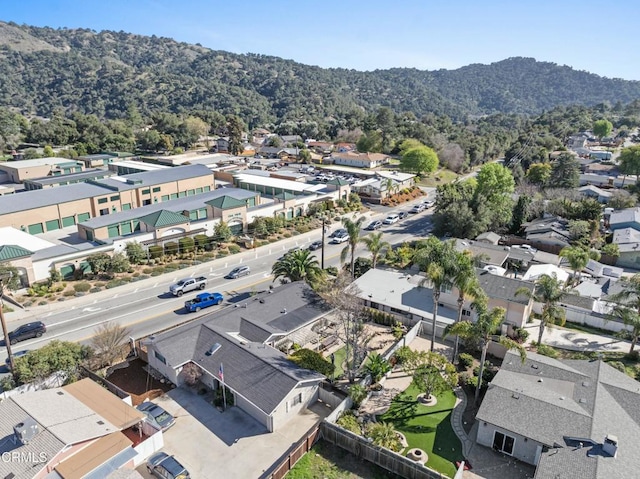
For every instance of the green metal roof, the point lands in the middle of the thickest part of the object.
(226, 203)
(338, 182)
(11, 251)
(285, 195)
(164, 218)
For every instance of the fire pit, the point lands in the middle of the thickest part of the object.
(417, 455)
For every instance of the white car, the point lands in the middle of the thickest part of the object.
(393, 218)
(340, 239)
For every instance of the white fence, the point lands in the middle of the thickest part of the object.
(150, 445)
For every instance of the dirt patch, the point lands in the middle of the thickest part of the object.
(135, 380)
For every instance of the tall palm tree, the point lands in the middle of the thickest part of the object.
(578, 258)
(629, 317)
(438, 260)
(548, 291)
(353, 230)
(376, 246)
(484, 330)
(297, 266)
(629, 299)
(466, 282)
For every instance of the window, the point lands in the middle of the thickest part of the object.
(113, 231)
(182, 194)
(125, 228)
(156, 189)
(165, 197)
(146, 202)
(126, 206)
(68, 221)
(115, 198)
(207, 188)
(504, 443)
(160, 357)
(104, 211)
(191, 192)
(146, 192)
(102, 201)
(83, 217)
(198, 191)
(35, 229)
(174, 196)
(297, 399)
(53, 225)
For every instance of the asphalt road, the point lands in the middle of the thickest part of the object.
(146, 307)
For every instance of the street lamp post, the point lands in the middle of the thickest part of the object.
(7, 342)
(323, 233)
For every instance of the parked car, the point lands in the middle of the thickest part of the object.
(392, 218)
(203, 300)
(164, 466)
(16, 355)
(417, 209)
(374, 225)
(402, 215)
(428, 203)
(340, 239)
(27, 331)
(338, 232)
(315, 245)
(188, 284)
(156, 415)
(238, 272)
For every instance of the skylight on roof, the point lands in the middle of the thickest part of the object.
(213, 349)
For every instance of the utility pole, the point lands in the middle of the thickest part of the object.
(7, 342)
(323, 233)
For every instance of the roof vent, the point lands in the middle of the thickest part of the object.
(515, 396)
(284, 311)
(582, 401)
(26, 430)
(610, 445)
(539, 380)
(561, 398)
(586, 384)
(262, 300)
(534, 366)
(60, 393)
(213, 349)
(101, 423)
(244, 305)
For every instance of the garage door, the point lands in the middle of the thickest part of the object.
(53, 225)
(83, 217)
(67, 271)
(68, 221)
(36, 229)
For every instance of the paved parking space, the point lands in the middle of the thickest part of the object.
(229, 444)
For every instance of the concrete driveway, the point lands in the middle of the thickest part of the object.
(229, 444)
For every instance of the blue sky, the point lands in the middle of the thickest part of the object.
(596, 36)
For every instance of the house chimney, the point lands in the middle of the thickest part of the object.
(610, 445)
(26, 430)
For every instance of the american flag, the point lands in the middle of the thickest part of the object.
(221, 373)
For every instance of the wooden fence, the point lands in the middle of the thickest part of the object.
(293, 455)
(384, 458)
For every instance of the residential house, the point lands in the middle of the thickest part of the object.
(486, 254)
(291, 140)
(627, 218)
(235, 348)
(537, 270)
(359, 160)
(592, 191)
(76, 431)
(597, 168)
(489, 237)
(552, 231)
(573, 419)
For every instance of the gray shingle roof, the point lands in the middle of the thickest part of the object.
(496, 255)
(258, 333)
(554, 402)
(44, 443)
(259, 373)
(502, 287)
(28, 200)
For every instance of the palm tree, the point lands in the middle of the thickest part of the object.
(548, 291)
(484, 330)
(466, 282)
(578, 258)
(376, 246)
(353, 230)
(630, 318)
(438, 259)
(297, 266)
(629, 299)
(383, 434)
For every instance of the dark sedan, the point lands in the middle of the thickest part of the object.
(315, 245)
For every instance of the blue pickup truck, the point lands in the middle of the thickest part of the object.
(203, 300)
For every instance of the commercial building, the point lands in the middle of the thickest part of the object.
(19, 171)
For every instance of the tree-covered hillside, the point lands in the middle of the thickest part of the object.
(108, 72)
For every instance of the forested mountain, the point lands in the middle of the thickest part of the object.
(106, 73)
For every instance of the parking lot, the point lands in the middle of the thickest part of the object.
(229, 444)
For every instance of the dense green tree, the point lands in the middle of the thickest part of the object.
(371, 142)
(55, 356)
(578, 258)
(565, 172)
(235, 127)
(602, 128)
(308, 359)
(136, 254)
(9, 276)
(419, 160)
(521, 213)
(539, 173)
(621, 199)
(222, 232)
(492, 196)
(629, 160)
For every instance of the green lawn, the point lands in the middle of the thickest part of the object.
(428, 428)
(340, 356)
(327, 461)
(440, 177)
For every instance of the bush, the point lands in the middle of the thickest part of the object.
(332, 270)
(186, 244)
(349, 422)
(619, 365)
(402, 354)
(547, 351)
(309, 359)
(114, 283)
(82, 287)
(357, 393)
(520, 335)
(69, 292)
(488, 372)
(157, 271)
(171, 248)
(468, 380)
(95, 290)
(465, 360)
(234, 249)
(156, 251)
